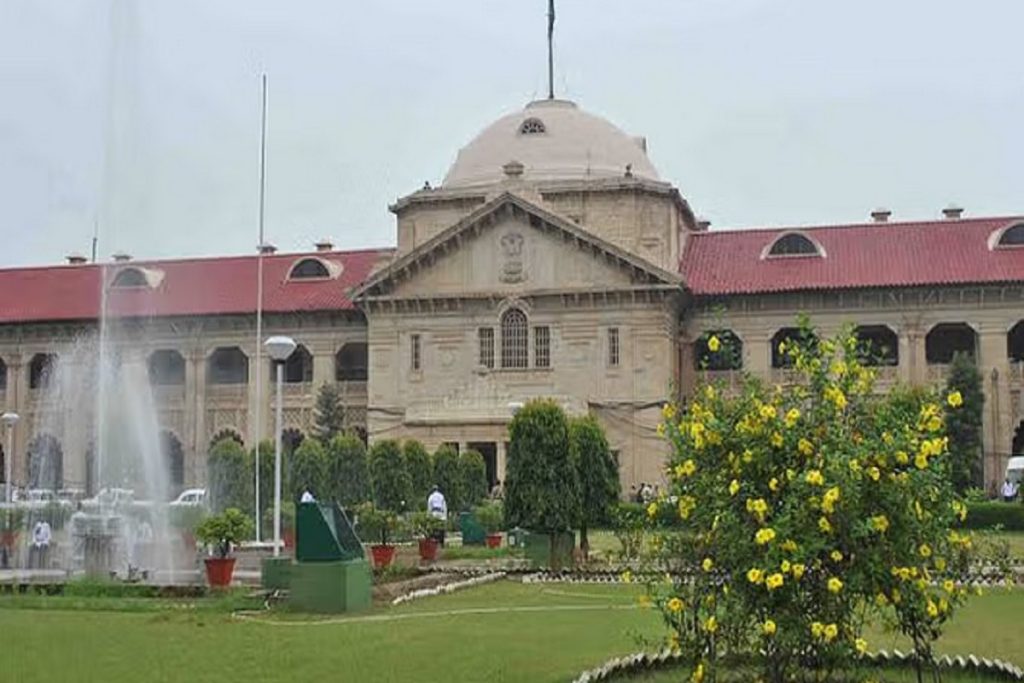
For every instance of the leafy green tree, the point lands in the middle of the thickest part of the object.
(598, 475)
(448, 477)
(329, 413)
(964, 424)
(348, 471)
(308, 470)
(391, 485)
(230, 476)
(541, 488)
(421, 473)
(473, 473)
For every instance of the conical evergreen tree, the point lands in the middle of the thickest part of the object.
(328, 414)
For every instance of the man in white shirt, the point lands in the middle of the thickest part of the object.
(437, 507)
(1009, 491)
(38, 553)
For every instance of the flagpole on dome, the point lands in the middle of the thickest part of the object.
(551, 53)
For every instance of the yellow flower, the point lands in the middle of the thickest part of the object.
(817, 628)
(776, 439)
(687, 504)
(798, 571)
(881, 600)
(773, 484)
(814, 478)
(861, 645)
(824, 525)
(768, 412)
(902, 457)
(830, 632)
(774, 581)
(675, 605)
(934, 423)
(933, 609)
(948, 585)
(855, 466)
(652, 510)
(626, 576)
(661, 429)
(711, 625)
(734, 487)
(829, 500)
(785, 566)
(755, 576)
(954, 399)
(792, 415)
(708, 564)
(925, 550)
(685, 469)
(940, 564)
(836, 556)
(764, 536)
(768, 627)
(714, 344)
(874, 473)
(805, 447)
(789, 545)
(698, 674)
(668, 411)
(834, 585)
(880, 523)
(644, 601)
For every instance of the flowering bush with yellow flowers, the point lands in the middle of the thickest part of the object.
(798, 512)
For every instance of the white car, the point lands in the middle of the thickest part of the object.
(190, 497)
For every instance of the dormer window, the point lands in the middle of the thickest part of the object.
(309, 269)
(793, 244)
(130, 277)
(1012, 236)
(532, 126)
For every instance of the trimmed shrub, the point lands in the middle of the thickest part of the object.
(329, 413)
(447, 476)
(1010, 516)
(964, 425)
(421, 472)
(391, 486)
(473, 473)
(229, 477)
(597, 472)
(348, 471)
(309, 470)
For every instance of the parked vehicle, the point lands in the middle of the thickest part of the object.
(1015, 469)
(190, 497)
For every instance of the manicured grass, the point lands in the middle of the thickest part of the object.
(567, 629)
(498, 632)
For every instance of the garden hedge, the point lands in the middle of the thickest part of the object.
(988, 515)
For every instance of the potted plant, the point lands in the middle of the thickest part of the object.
(491, 516)
(287, 524)
(380, 524)
(221, 532)
(425, 526)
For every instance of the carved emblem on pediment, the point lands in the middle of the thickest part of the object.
(513, 267)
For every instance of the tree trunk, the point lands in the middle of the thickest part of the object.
(584, 542)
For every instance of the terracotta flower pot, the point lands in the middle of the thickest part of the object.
(382, 555)
(494, 540)
(288, 536)
(428, 549)
(8, 539)
(219, 571)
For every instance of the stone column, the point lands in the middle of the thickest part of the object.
(501, 460)
(323, 363)
(996, 429)
(757, 355)
(17, 400)
(195, 398)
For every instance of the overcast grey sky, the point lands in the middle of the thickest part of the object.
(760, 111)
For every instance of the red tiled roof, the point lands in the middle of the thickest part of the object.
(201, 286)
(929, 253)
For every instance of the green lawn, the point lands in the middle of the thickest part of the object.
(499, 632)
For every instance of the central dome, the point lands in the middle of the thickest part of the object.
(553, 140)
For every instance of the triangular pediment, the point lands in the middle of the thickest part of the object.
(510, 246)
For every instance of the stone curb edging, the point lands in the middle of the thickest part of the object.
(644, 661)
(448, 587)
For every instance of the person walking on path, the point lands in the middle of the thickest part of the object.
(437, 506)
(1010, 491)
(40, 550)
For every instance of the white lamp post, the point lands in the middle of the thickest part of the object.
(9, 419)
(278, 348)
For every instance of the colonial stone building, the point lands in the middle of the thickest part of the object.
(551, 262)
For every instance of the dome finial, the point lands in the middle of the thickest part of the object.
(551, 54)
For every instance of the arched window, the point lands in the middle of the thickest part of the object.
(227, 365)
(514, 339)
(793, 244)
(308, 269)
(291, 439)
(40, 368)
(298, 369)
(1012, 236)
(877, 345)
(174, 459)
(532, 126)
(1015, 343)
(3, 375)
(785, 339)
(166, 368)
(351, 363)
(729, 355)
(945, 340)
(130, 277)
(226, 434)
(45, 463)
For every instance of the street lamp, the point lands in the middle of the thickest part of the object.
(9, 419)
(278, 348)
